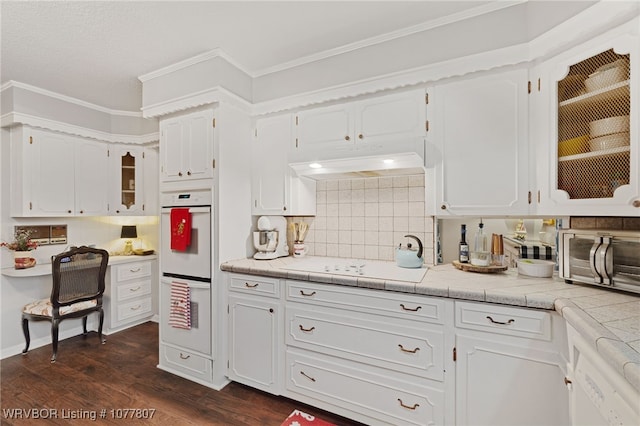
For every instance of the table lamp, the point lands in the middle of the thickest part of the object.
(128, 231)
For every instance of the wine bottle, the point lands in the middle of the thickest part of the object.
(463, 252)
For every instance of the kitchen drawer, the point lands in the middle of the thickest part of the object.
(198, 337)
(520, 322)
(415, 308)
(133, 270)
(133, 309)
(186, 362)
(417, 349)
(251, 284)
(383, 396)
(127, 291)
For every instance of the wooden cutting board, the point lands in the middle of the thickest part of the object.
(482, 269)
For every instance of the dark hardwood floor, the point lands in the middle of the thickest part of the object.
(122, 374)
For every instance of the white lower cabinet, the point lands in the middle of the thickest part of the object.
(255, 333)
(383, 357)
(188, 352)
(379, 396)
(375, 356)
(130, 294)
(509, 368)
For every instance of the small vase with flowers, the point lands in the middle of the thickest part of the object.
(22, 245)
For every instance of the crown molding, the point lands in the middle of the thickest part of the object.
(215, 53)
(404, 32)
(66, 98)
(484, 61)
(612, 17)
(193, 100)
(15, 118)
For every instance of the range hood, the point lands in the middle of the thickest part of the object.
(367, 166)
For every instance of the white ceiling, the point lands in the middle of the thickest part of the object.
(95, 51)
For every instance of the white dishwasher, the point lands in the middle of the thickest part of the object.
(599, 394)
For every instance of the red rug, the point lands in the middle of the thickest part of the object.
(299, 418)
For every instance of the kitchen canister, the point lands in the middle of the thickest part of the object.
(299, 249)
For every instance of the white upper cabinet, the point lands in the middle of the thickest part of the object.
(43, 182)
(383, 125)
(57, 175)
(477, 145)
(588, 149)
(127, 180)
(92, 178)
(275, 188)
(186, 146)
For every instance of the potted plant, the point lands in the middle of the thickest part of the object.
(22, 245)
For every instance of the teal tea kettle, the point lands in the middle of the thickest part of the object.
(408, 257)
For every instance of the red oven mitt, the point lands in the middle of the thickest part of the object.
(180, 229)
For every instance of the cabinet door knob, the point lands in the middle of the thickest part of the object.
(180, 174)
(81, 211)
(443, 207)
(68, 211)
(271, 310)
(360, 136)
(117, 211)
(347, 138)
(189, 173)
(636, 203)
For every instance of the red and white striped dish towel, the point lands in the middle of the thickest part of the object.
(180, 312)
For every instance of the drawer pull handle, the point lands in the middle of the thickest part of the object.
(307, 376)
(135, 308)
(410, 309)
(408, 350)
(302, 293)
(184, 356)
(251, 285)
(307, 330)
(408, 407)
(134, 270)
(134, 289)
(500, 322)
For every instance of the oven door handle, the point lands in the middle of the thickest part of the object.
(605, 261)
(593, 260)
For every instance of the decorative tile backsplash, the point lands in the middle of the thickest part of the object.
(367, 218)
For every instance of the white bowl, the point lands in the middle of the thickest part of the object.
(607, 75)
(616, 140)
(535, 268)
(608, 126)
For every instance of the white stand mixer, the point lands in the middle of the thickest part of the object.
(271, 238)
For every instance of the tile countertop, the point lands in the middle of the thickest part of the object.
(43, 269)
(609, 319)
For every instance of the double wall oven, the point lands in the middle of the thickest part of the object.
(191, 266)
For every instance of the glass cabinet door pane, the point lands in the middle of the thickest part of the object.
(128, 189)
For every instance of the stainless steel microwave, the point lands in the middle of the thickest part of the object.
(604, 258)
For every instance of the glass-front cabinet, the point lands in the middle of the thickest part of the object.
(591, 144)
(127, 194)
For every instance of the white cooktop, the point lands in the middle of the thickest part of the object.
(357, 268)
